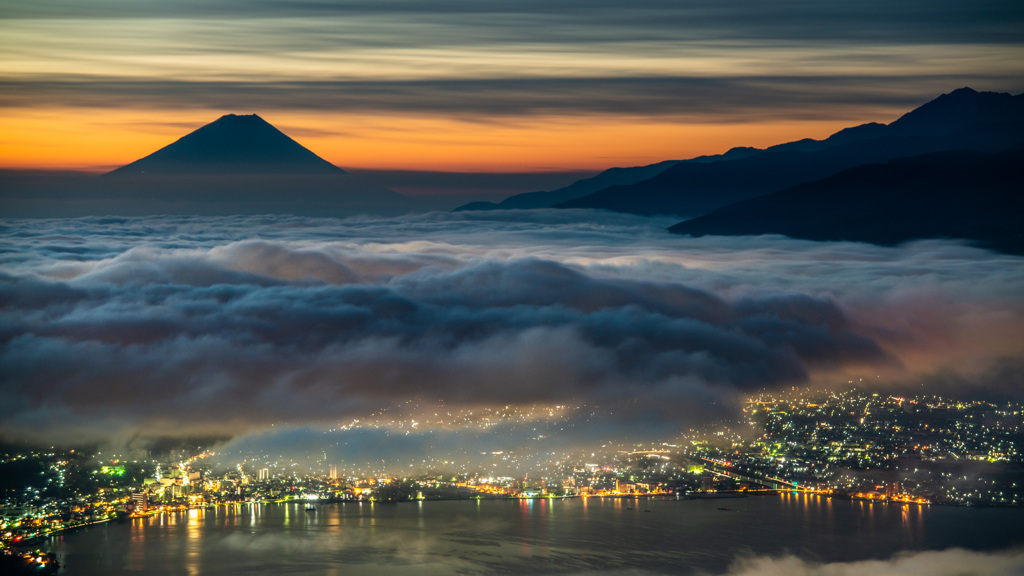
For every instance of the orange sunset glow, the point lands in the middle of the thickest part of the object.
(98, 141)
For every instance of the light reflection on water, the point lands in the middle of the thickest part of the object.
(522, 536)
(193, 518)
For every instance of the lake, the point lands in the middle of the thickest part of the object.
(525, 536)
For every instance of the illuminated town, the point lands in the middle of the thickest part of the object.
(880, 448)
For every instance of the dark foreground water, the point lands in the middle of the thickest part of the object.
(527, 536)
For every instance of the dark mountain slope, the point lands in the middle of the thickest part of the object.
(961, 194)
(610, 177)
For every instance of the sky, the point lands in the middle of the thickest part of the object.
(483, 85)
(288, 334)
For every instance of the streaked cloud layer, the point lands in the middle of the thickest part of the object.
(461, 67)
(119, 327)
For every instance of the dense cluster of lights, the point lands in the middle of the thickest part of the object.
(926, 447)
(846, 444)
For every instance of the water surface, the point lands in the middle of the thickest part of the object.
(524, 536)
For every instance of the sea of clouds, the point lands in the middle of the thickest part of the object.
(115, 328)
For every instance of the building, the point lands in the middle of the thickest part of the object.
(892, 489)
(140, 500)
(264, 474)
(624, 487)
(707, 481)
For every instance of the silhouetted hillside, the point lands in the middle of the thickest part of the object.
(963, 119)
(961, 194)
(609, 177)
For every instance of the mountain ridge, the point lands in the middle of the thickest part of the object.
(987, 121)
(964, 118)
(546, 199)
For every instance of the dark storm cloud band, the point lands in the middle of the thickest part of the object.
(697, 99)
(731, 61)
(590, 20)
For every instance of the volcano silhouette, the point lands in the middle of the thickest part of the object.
(238, 164)
(232, 145)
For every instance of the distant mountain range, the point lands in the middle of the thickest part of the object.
(961, 120)
(959, 194)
